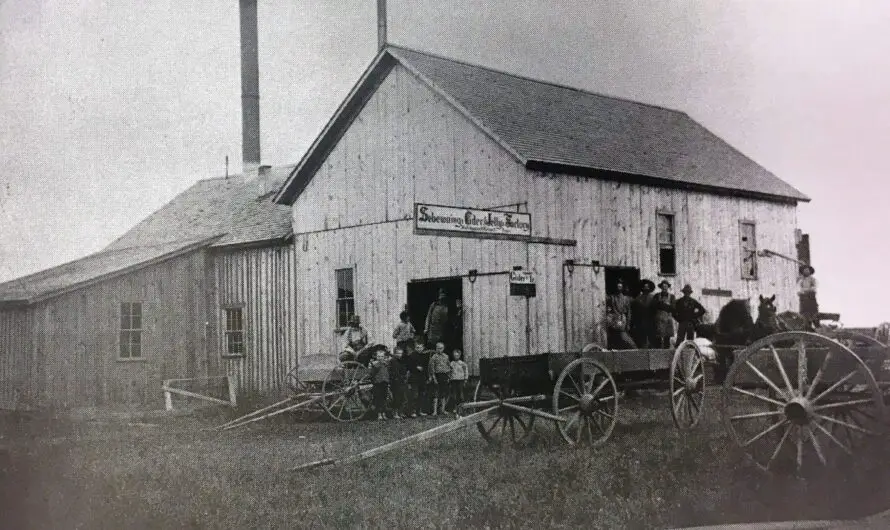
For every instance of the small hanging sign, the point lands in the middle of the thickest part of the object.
(522, 283)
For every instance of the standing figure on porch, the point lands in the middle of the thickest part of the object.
(641, 314)
(687, 312)
(618, 319)
(806, 291)
(663, 309)
(436, 326)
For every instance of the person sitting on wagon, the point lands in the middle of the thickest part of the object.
(617, 319)
(806, 291)
(687, 312)
(355, 335)
(663, 318)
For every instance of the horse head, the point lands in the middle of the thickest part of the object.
(766, 314)
(735, 317)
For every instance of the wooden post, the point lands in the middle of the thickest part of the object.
(381, 24)
(233, 395)
(168, 398)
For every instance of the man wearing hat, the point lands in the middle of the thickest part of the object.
(663, 315)
(355, 335)
(437, 320)
(687, 311)
(641, 314)
(806, 292)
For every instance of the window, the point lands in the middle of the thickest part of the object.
(667, 252)
(748, 246)
(234, 331)
(131, 330)
(345, 296)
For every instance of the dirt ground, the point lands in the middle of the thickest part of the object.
(168, 472)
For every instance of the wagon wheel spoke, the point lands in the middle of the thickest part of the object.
(849, 426)
(569, 408)
(799, 442)
(573, 419)
(834, 386)
(816, 446)
(690, 404)
(779, 445)
(590, 431)
(832, 438)
(843, 404)
(600, 388)
(575, 384)
(524, 426)
(581, 424)
(818, 377)
(493, 425)
(678, 391)
(758, 396)
(801, 366)
(782, 369)
(679, 382)
(765, 379)
(763, 433)
(754, 415)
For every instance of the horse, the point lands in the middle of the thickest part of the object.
(736, 328)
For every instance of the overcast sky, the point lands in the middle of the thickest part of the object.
(110, 108)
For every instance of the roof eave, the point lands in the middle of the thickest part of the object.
(335, 128)
(646, 180)
(13, 303)
(54, 293)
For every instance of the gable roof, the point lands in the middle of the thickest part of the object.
(92, 269)
(214, 206)
(550, 127)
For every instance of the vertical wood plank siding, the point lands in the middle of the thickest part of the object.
(261, 280)
(409, 145)
(17, 388)
(72, 344)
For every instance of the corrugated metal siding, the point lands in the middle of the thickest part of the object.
(262, 281)
(76, 350)
(16, 382)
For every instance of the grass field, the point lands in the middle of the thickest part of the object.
(168, 473)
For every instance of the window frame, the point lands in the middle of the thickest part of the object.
(226, 332)
(742, 250)
(130, 331)
(342, 324)
(673, 244)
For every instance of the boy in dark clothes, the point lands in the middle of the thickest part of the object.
(416, 363)
(398, 375)
(380, 379)
(687, 312)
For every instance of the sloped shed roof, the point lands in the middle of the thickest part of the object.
(90, 269)
(556, 128)
(226, 206)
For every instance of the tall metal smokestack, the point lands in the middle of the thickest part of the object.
(250, 87)
(381, 24)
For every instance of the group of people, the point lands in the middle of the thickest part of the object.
(419, 377)
(418, 381)
(648, 321)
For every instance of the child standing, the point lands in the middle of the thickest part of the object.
(440, 371)
(404, 332)
(398, 375)
(380, 379)
(458, 379)
(416, 365)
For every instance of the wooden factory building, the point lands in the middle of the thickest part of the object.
(434, 173)
(200, 288)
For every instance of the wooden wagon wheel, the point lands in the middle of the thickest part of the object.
(346, 391)
(800, 400)
(507, 424)
(294, 384)
(587, 396)
(687, 377)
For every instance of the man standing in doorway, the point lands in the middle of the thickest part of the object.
(437, 321)
(618, 319)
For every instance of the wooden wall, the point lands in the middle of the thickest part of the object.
(16, 382)
(75, 337)
(408, 145)
(262, 281)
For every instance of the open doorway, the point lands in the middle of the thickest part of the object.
(422, 293)
(629, 275)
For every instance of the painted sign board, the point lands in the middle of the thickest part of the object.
(454, 219)
(522, 283)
